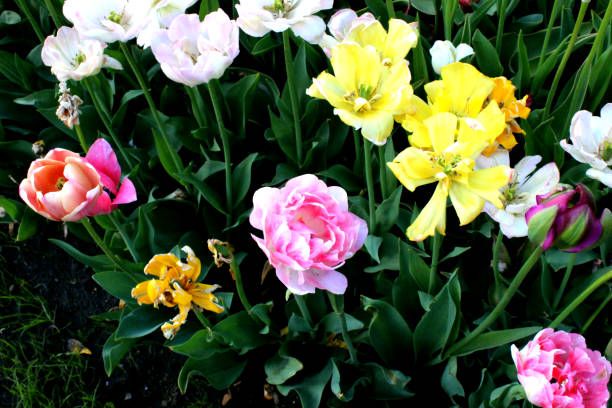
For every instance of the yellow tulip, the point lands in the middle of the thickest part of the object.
(365, 93)
(452, 145)
(176, 286)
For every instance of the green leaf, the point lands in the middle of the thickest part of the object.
(495, 339)
(389, 255)
(39, 99)
(378, 8)
(450, 382)
(13, 208)
(113, 351)
(435, 327)
(344, 176)
(221, 370)
(240, 98)
(331, 323)
(168, 156)
(200, 346)
(118, 284)
(455, 252)
(28, 225)
(311, 388)
(208, 193)
(264, 45)
(9, 17)
(142, 321)
(524, 74)
(345, 378)
(241, 179)
(388, 211)
(424, 6)
(99, 262)
(486, 56)
(372, 244)
(387, 384)
(559, 259)
(240, 331)
(281, 368)
(394, 350)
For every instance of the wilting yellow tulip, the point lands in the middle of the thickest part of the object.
(176, 286)
(453, 144)
(365, 93)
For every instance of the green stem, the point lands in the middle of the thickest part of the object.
(301, 302)
(568, 52)
(94, 235)
(603, 304)
(566, 276)
(293, 96)
(235, 268)
(503, 302)
(337, 303)
(496, 249)
(367, 155)
(500, 25)
(197, 106)
(581, 298)
(437, 17)
(357, 142)
(53, 12)
(143, 85)
(81, 137)
(435, 254)
(215, 96)
(205, 322)
(390, 9)
(383, 172)
(553, 17)
(26, 10)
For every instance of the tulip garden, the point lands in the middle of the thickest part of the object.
(311, 203)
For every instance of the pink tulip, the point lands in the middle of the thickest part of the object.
(64, 186)
(557, 370)
(102, 157)
(308, 233)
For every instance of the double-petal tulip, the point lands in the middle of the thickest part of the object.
(176, 285)
(259, 17)
(455, 143)
(591, 138)
(365, 93)
(73, 57)
(108, 20)
(193, 52)
(558, 370)
(308, 233)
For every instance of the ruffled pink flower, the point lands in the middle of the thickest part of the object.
(308, 233)
(102, 157)
(557, 370)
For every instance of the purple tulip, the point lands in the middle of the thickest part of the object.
(575, 226)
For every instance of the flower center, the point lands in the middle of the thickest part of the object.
(280, 8)
(59, 184)
(452, 165)
(364, 99)
(79, 59)
(115, 17)
(606, 150)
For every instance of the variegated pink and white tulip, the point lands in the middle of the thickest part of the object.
(73, 57)
(160, 16)
(193, 52)
(308, 233)
(259, 17)
(108, 20)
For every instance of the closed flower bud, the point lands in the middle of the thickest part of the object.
(566, 219)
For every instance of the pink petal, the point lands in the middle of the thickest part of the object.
(126, 194)
(104, 160)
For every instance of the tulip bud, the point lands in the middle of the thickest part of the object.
(566, 219)
(444, 53)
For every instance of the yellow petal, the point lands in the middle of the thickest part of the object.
(467, 204)
(350, 118)
(327, 86)
(180, 296)
(203, 297)
(487, 182)
(401, 38)
(493, 120)
(170, 328)
(140, 293)
(194, 263)
(377, 126)
(159, 265)
(442, 129)
(396, 79)
(344, 61)
(431, 218)
(369, 67)
(465, 88)
(413, 167)
(372, 34)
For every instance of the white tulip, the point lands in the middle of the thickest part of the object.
(444, 53)
(108, 20)
(259, 17)
(160, 16)
(520, 194)
(73, 57)
(591, 138)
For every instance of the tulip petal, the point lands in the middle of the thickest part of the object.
(431, 218)
(104, 160)
(467, 204)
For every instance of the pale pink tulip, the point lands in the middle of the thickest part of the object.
(308, 233)
(557, 370)
(340, 25)
(193, 52)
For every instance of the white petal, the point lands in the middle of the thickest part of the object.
(310, 28)
(463, 51)
(526, 166)
(542, 181)
(605, 176)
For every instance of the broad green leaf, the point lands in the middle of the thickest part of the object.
(168, 156)
(450, 382)
(394, 350)
(142, 321)
(119, 284)
(113, 351)
(372, 244)
(221, 370)
(455, 252)
(378, 8)
(387, 384)
(424, 6)
(207, 192)
(344, 176)
(241, 179)
(264, 45)
(13, 208)
(486, 56)
(240, 331)
(331, 323)
(345, 379)
(524, 74)
(99, 262)
(28, 225)
(200, 346)
(311, 388)
(495, 339)
(388, 211)
(389, 255)
(281, 368)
